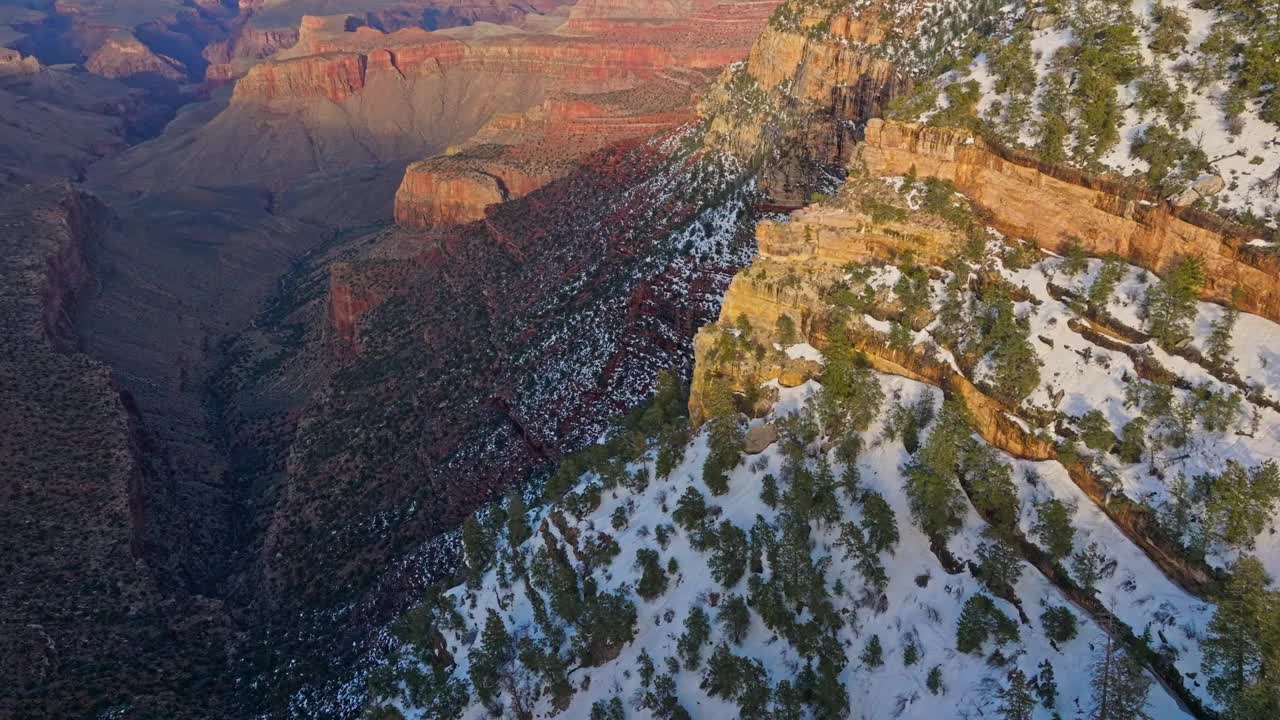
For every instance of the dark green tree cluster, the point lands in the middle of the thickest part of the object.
(1170, 304)
(1246, 41)
(725, 436)
(1120, 684)
(933, 490)
(1238, 502)
(1004, 337)
(1242, 649)
(1059, 624)
(981, 620)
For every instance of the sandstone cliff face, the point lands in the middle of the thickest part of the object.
(1033, 203)
(800, 99)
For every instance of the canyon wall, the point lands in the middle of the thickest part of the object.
(1028, 201)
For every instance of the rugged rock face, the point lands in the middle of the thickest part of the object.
(479, 351)
(514, 155)
(1052, 206)
(93, 613)
(801, 98)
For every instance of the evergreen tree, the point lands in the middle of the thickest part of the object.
(824, 505)
(691, 515)
(769, 490)
(490, 661)
(517, 519)
(990, 483)
(879, 522)
(697, 631)
(653, 581)
(1054, 529)
(1240, 502)
(851, 394)
(830, 699)
(608, 623)
(1091, 565)
(476, 548)
(1054, 126)
(936, 500)
(1046, 685)
(999, 564)
(980, 620)
(1218, 349)
(1016, 702)
(1171, 304)
(1095, 431)
(934, 681)
(1074, 259)
(873, 653)
(1242, 650)
(1059, 624)
(1133, 440)
(611, 710)
(734, 617)
(1120, 685)
(729, 557)
(1104, 285)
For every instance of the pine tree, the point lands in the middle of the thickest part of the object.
(999, 564)
(517, 519)
(936, 500)
(1095, 431)
(830, 699)
(1074, 259)
(1046, 686)
(934, 681)
(697, 631)
(1133, 440)
(611, 710)
(1120, 685)
(879, 522)
(1218, 349)
(1059, 624)
(1091, 565)
(769, 490)
(1053, 528)
(1104, 285)
(1016, 702)
(476, 548)
(873, 653)
(653, 581)
(734, 617)
(691, 514)
(1242, 650)
(1240, 502)
(1171, 304)
(729, 557)
(490, 660)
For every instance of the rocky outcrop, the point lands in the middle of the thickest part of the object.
(514, 155)
(801, 98)
(1052, 206)
(123, 56)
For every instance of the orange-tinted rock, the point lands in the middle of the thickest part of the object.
(437, 191)
(1051, 206)
(123, 56)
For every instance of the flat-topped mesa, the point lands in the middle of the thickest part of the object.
(1052, 206)
(450, 190)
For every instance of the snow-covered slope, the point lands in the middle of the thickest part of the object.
(1177, 76)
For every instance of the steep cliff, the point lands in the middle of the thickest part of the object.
(1055, 206)
(95, 612)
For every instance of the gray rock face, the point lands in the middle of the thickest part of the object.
(759, 438)
(1204, 186)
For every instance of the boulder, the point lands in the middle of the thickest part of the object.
(759, 438)
(798, 372)
(1204, 186)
